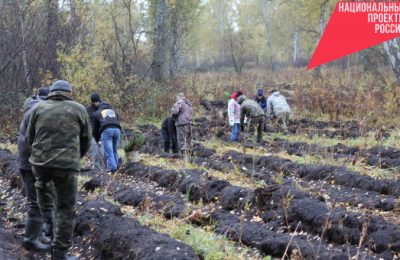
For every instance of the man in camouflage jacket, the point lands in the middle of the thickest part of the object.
(182, 112)
(59, 136)
(254, 114)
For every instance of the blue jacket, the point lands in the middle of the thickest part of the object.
(262, 102)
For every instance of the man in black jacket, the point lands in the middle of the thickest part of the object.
(94, 106)
(107, 128)
(96, 152)
(168, 132)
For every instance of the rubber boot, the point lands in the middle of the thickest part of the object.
(61, 255)
(45, 240)
(48, 226)
(32, 234)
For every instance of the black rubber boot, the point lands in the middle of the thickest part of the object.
(48, 227)
(32, 237)
(45, 240)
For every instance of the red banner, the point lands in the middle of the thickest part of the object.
(355, 26)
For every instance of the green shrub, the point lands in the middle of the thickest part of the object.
(135, 143)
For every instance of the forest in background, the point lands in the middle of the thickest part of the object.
(138, 53)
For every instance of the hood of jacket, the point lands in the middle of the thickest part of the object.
(30, 103)
(275, 94)
(105, 106)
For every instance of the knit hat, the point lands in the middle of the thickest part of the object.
(43, 92)
(234, 95)
(61, 85)
(95, 97)
(260, 92)
(241, 99)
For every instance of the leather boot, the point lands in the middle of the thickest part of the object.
(32, 237)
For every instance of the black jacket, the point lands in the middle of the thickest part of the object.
(91, 110)
(104, 118)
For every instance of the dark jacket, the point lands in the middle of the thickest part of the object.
(58, 132)
(91, 110)
(23, 149)
(104, 118)
(262, 102)
(168, 132)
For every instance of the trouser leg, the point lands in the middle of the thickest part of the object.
(107, 141)
(29, 184)
(166, 138)
(65, 188)
(260, 123)
(116, 140)
(282, 120)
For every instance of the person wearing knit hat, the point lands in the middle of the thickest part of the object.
(262, 101)
(41, 94)
(234, 117)
(61, 85)
(33, 240)
(96, 151)
(58, 135)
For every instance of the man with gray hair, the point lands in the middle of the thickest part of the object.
(58, 135)
(182, 112)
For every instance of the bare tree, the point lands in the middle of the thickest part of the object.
(237, 49)
(52, 38)
(392, 49)
(160, 42)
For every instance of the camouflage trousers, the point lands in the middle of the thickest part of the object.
(256, 122)
(282, 120)
(184, 134)
(63, 190)
(33, 208)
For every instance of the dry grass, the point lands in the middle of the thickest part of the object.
(357, 166)
(203, 240)
(362, 142)
(13, 148)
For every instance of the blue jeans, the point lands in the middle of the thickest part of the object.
(110, 139)
(235, 132)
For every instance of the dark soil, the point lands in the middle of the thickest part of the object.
(101, 230)
(118, 237)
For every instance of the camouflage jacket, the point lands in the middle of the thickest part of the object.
(250, 108)
(59, 132)
(182, 112)
(23, 150)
